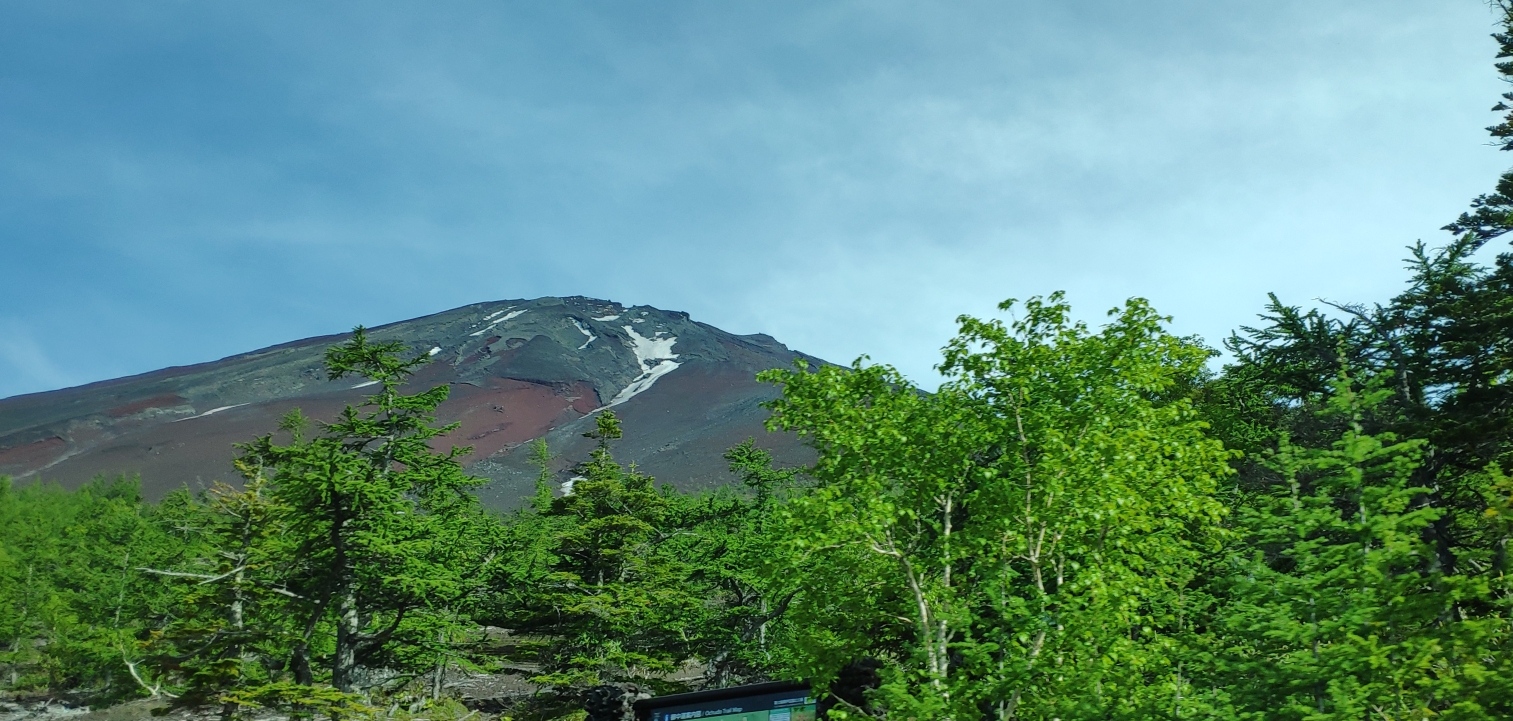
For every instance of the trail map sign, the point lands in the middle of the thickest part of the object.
(779, 701)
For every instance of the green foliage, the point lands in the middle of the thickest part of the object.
(1372, 546)
(1492, 214)
(620, 581)
(387, 544)
(73, 608)
(1079, 524)
(303, 699)
(613, 603)
(231, 629)
(1021, 537)
(1417, 622)
(748, 633)
(1337, 608)
(354, 547)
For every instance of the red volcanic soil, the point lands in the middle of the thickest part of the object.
(195, 452)
(510, 413)
(32, 455)
(167, 400)
(678, 432)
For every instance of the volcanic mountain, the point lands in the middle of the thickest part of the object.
(518, 370)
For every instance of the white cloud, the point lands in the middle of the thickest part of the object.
(25, 361)
(847, 177)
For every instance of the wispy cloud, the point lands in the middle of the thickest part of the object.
(24, 360)
(847, 176)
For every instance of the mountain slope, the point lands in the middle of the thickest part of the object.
(518, 370)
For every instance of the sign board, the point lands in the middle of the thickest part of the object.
(779, 701)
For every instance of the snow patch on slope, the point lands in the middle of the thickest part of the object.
(365, 385)
(433, 351)
(507, 316)
(584, 331)
(606, 318)
(655, 357)
(210, 412)
(651, 349)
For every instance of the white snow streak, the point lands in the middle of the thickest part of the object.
(497, 312)
(434, 351)
(508, 316)
(212, 410)
(606, 318)
(365, 385)
(656, 359)
(584, 331)
(651, 349)
(643, 383)
(567, 485)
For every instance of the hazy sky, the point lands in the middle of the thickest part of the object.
(181, 181)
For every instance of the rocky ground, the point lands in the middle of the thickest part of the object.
(158, 710)
(22, 710)
(474, 697)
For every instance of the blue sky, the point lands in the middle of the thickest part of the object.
(181, 181)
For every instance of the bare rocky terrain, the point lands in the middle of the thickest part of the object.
(517, 370)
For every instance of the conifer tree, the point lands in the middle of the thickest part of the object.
(1492, 213)
(1444, 349)
(731, 538)
(229, 634)
(77, 603)
(614, 603)
(371, 509)
(1337, 608)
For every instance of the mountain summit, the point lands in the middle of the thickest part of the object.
(518, 370)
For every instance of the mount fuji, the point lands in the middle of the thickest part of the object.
(518, 370)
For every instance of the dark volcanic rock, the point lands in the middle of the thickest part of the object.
(518, 370)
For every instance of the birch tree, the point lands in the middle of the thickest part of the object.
(1015, 544)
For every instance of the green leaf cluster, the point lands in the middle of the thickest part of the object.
(73, 608)
(1018, 543)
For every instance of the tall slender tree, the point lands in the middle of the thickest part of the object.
(372, 510)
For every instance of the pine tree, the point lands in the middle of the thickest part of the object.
(372, 511)
(1492, 213)
(613, 601)
(1337, 608)
(229, 633)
